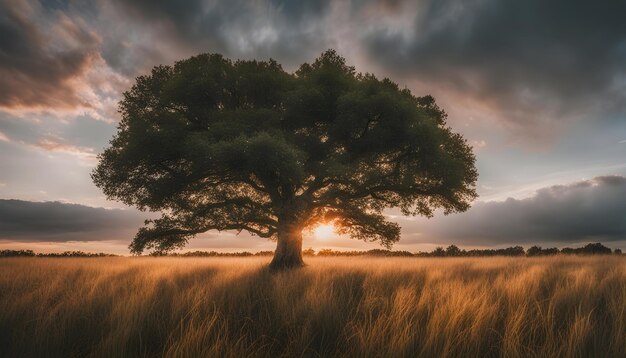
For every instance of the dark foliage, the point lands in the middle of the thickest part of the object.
(216, 144)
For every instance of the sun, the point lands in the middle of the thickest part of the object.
(324, 232)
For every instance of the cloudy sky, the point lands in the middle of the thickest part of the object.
(538, 88)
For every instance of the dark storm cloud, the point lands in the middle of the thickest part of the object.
(55, 221)
(580, 212)
(41, 52)
(290, 31)
(534, 66)
(529, 64)
(196, 20)
(528, 60)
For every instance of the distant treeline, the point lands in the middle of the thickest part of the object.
(455, 251)
(215, 254)
(450, 251)
(27, 253)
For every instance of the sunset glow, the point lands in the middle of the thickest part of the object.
(324, 232)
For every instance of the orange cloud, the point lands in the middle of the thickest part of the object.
(46, 58)
(54, 144)
(4, 138)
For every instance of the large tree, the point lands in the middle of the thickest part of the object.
(215, 144)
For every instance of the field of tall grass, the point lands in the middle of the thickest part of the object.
(365, 307)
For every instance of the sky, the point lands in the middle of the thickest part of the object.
(537, 87)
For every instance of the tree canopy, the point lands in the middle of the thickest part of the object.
(216, 144)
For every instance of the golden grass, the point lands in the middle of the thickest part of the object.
(365, 307)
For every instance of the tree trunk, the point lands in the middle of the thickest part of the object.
(288, 252)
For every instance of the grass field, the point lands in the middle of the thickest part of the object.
(366, 307)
